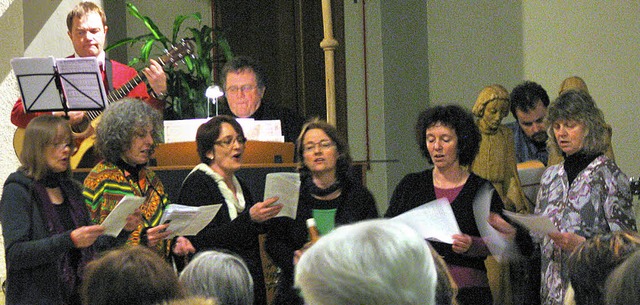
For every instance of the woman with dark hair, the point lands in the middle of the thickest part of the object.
(130, 275)
(126, 136)
(236, 226)
(328, 193)
(585, 195)
(449, 138)
(45, 224)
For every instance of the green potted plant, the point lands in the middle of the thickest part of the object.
(186, 86)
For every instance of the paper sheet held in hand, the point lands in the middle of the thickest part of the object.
(534, 223)
(117, 219)
(287, 187)
(187, 220)
(433, 220)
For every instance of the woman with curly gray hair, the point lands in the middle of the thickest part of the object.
(585, 195)
(125, 137)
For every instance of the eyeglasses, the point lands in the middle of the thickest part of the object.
(228, 141)
(324, 145)
(62, 146)
(244, 89)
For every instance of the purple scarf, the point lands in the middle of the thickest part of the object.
(71, 271)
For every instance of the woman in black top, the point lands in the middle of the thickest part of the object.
(328, 193)
(238, 223)
(46, 227)
(449, 139)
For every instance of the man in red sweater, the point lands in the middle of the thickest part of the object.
(88, 30)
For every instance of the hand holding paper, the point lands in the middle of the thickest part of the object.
(433, 220)
(285, 186)
(117, 219)
(186, 220)
(539, 224)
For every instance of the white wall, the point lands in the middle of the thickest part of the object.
(473, 44)
(598, 41)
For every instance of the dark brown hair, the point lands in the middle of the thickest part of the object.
(130, 275)
(208, 134)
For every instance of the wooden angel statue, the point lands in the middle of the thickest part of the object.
(496, 159)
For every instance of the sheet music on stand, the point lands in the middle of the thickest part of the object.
(64, 84)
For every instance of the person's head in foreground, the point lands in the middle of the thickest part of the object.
(593, 260)
(133, 275)
(623, 284)
(220, 276)
(369, 262)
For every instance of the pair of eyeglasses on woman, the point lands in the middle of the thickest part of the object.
(324, 145)
(63, 145)
(228, 141)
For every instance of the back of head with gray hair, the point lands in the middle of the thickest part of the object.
(222, 276)
(370, 262)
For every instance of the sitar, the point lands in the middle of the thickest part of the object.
(84, 132)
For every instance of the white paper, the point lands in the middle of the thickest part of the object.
(287, 187)
(433, 220)
(117, 219)
(261, 130)
(499, 246)
(181, 130)
(82, 82)
(187, 220)
(37, 84)
(534, 223)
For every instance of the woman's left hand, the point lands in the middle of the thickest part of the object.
(502, 226)
(461, 243)
(566, 241)
(183, 246)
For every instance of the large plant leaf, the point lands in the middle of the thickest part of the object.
(177, 24)
(186, 87)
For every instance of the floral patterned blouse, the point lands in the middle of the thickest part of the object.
(597, 202)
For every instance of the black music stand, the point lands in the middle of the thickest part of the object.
(66, 84)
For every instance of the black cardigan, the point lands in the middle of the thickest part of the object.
(416, 189)
(239, 236)
(286, 235)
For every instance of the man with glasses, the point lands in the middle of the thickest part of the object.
(244, 87)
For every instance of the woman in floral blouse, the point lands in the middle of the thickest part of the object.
(585, 195)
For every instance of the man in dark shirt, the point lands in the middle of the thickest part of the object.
(529, 102)
(244, 86)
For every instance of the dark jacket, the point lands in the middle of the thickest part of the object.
(417, 189)
(290, 121)
(33, 253)
(239, 236)
(285, 235)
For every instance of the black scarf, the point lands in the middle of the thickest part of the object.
(320, 192)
